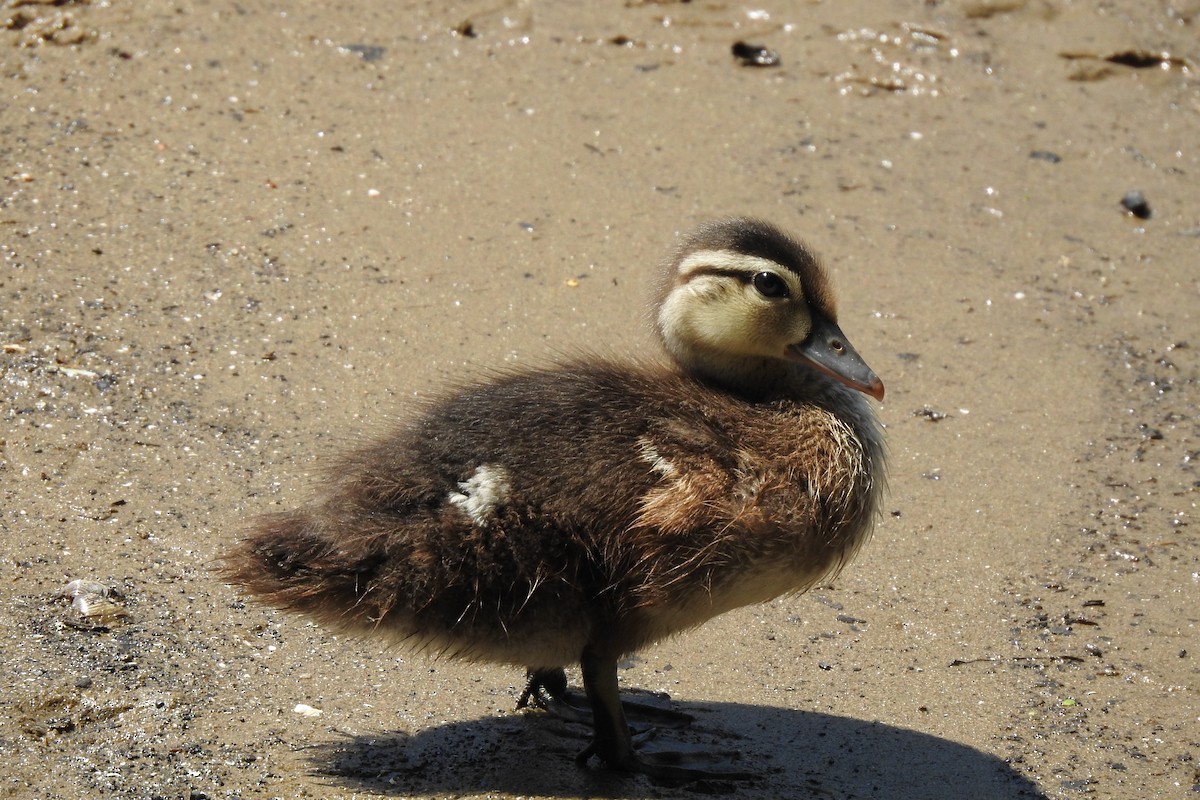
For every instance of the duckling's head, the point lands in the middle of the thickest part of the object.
(743, 305)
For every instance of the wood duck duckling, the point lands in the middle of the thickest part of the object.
(579, 513)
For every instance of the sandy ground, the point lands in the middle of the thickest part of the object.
(238, 237)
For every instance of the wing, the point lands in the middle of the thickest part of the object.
(760, 502)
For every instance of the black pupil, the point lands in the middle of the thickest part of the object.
(769, 284)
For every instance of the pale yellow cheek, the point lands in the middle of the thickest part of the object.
(733, 319)
(798, 326)
(767, 330)
(726, 328)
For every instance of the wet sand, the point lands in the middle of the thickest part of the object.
(239, 237)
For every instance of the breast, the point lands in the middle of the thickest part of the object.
(748, 504)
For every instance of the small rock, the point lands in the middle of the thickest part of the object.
(930, 414)
(755, 55)
(367, 52)
(1135, 203)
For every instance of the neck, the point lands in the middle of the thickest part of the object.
(762, 380)
(752, 377)
(758, 378)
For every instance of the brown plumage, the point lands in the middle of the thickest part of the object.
(579, 513)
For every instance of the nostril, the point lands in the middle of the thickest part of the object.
(837, 345)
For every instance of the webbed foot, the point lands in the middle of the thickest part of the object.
(547, 689)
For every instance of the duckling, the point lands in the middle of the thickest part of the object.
(579, 513)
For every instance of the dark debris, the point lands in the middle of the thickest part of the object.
(755, 55)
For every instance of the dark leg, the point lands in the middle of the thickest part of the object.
(612, 742)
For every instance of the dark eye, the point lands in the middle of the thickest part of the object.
(769, 284)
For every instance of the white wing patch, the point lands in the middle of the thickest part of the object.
(482, 493)
(657, 463)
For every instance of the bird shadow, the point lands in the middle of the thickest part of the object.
(796, 753)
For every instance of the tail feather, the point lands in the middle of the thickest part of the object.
(288, 562)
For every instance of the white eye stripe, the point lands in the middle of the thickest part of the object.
(714, 269)
(725, 260)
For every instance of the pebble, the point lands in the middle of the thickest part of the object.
(1045, 155)
(1135, 203)
(755, 55)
